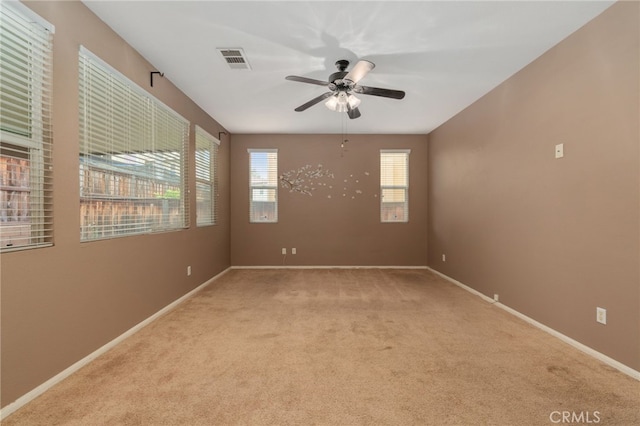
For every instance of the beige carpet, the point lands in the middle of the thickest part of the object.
(338, 347)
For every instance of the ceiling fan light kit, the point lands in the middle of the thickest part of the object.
(342, 102)
(341, 84)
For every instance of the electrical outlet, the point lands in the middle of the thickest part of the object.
(560, 150)
(444, 257)
(601, 315)
(284, 250)
(496, 297)
(293, 250)
(188, 271)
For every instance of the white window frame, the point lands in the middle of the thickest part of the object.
(404, 187)
(262, 186)
(206, 159)
(35, 225)
(137, 148)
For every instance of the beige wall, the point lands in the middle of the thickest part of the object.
(59, 304)
(554, 238)
(340, 230)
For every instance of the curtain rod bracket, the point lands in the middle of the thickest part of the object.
(151, 76)
(221, 133)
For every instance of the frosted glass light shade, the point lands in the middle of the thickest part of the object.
(353, 101)
(332, 103)
(339, 101)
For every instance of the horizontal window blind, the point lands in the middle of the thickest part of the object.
(263, 185)
(26, 207)
(394, 185)
(133, 157)
(206, 178)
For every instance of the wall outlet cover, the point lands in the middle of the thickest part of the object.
(601, 315)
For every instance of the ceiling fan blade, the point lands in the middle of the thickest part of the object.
(306, 80)
(376, 91)
(353, 112)
(314, 101)
(359, 70)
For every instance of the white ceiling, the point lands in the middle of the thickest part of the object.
(443, 54)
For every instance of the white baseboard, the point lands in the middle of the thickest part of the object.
(459, 284)
(326, 267)
(584, 348)
(34, 393)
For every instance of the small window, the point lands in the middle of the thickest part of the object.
(133, 157)
(263, 185)
(394, 185)
(206, 178)
(26, 215)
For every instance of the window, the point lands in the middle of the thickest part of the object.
(26, 214)
(133, 157)
(263, 185)
(394, 185)
(206, 178)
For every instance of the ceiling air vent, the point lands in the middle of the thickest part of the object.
(235, 59)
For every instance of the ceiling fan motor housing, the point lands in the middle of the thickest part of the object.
(337, 77)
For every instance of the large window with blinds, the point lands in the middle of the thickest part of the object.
(263, 185)
(394, 185)
(26, 216)
(133, 157)
(206, 178)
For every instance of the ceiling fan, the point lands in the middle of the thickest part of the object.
(341, 84)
